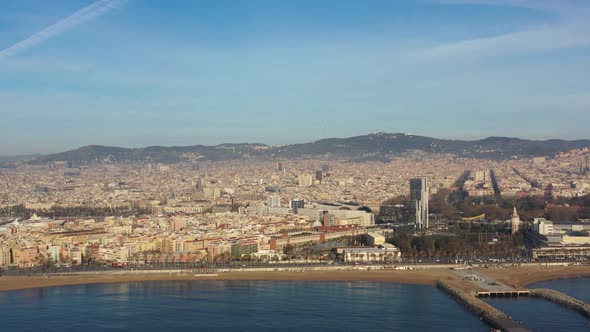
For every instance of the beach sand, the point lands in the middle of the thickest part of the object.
(419, 277)
(514, 276)
(524, 276)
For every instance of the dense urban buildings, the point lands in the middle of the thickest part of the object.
(149, 213)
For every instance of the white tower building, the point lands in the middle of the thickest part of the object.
(515, 221)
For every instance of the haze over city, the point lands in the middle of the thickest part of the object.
(138, 73)
(245, 165)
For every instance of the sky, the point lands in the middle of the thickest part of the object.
(136, 73)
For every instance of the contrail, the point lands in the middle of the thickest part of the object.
(81, 16)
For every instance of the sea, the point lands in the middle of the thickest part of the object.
(541, 315)
(267, 306)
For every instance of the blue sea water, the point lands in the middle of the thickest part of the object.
(541, 315)
(234, 306)
(577, 287)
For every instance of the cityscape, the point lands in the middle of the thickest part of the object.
(230, 165)
(418, 211)
(63, 214)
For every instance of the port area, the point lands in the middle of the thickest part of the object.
(489, 287)
(460, 291)
(471, 286)
(562, 299)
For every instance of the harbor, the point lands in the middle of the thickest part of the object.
(473, 286)
(492, 316)
(563, 300)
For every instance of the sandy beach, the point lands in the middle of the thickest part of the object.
(524, 276)
(515, 276)
(419, 277)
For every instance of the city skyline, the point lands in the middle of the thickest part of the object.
(138, 73)
(246, 164)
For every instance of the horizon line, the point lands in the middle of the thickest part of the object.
(287, 144)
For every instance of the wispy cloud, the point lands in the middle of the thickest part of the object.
(83, 15)
(564, 7)
(539, 39)
(568, 32)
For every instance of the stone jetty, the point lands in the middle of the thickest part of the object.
(562, 299)
(494, 317)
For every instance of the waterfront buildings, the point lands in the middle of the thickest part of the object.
(375, 239)
(547, 227)
(381, 254)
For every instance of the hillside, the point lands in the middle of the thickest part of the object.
(378, 146)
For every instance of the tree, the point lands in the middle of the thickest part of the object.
(561, 213)
(363, 239)
(518, 240)
(584, 213)
(44, 262)
(403, 200)
(453, 246)
(289, 250)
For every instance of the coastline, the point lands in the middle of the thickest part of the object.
(514, 276)
(427, 277)
(522, 277)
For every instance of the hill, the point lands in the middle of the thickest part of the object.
(378, 146)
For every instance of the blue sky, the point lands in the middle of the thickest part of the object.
(151, 72)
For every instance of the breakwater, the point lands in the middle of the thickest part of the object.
(492, 316)
(562, 299)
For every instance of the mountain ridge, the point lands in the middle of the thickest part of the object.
(372, 145)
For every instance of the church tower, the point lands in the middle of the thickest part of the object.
(515, 221)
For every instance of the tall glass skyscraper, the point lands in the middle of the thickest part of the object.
(419, 201)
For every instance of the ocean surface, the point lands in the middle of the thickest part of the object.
(541, 315)
(270, 306)
(577, 287)
(234, 306)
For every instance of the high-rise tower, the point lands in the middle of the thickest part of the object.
(274, 201)
(297, 204)
(319, 176)
(419, 201)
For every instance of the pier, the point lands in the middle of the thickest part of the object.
(492, 316)
(474, 286)
(503, 293)
(562, 299)
(488, 287)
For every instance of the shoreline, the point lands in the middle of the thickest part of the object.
(523, 277)
(427, 277)
(514, 276)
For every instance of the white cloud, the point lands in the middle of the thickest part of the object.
(564, 7)
(539, 39)
(83, 15)
(570, 31)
